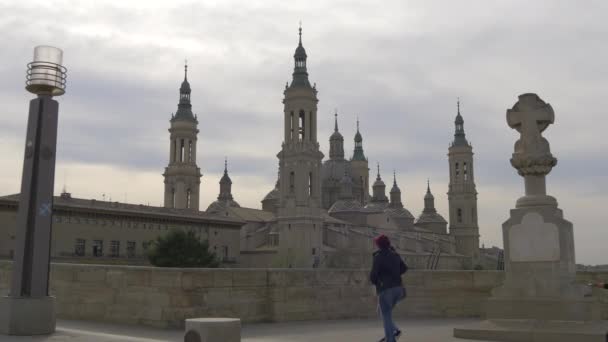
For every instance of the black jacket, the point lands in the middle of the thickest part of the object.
(387, 269)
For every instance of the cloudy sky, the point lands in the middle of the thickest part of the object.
(400, 67)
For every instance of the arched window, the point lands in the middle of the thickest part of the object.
(459, 215)
(182, 151)
(310, 184)
(174, 150)
(457, 170)
(302, 125)
(464, 170)
(189, 150)
(292, 180)
(173, 198)
(188, 198)
(291, 126)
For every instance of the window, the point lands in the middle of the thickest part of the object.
(97, 248)
(464, 170)
(291, 127)
(292, 180)
(114, 248)
(459, 214)
(314, 251)
(224, 252)
(457, 170)
(131, 249)
(188, 198)
(189, 150)
(181, 151)
(174, 149)
(302, 125)
(173, 198)
(310, 184)
(79, 247)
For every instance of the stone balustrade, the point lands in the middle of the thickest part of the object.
(165, 297)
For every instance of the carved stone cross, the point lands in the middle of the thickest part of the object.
(530, 117)
(532, 158)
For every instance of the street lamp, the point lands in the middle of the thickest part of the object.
(29, 310)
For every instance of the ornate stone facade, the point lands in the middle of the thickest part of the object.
(462, 193)
(182, 175)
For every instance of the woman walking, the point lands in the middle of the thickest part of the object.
(386, 276)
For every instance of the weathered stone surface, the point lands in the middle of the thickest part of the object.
(164, 298)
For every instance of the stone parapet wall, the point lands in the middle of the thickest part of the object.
(165, 297)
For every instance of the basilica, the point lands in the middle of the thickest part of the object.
(320, 212)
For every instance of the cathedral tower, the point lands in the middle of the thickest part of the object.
(299, 214)
(182, 175)
(462, 195)
(360, 170)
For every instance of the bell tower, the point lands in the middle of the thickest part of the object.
(299, 213)
(462, 195)
(182, 175)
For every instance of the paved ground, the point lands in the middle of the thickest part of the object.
(416, 330)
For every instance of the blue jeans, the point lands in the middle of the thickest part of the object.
(387, 300)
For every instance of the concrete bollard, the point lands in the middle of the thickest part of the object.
(213, 330)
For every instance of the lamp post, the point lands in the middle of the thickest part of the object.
(29, 310)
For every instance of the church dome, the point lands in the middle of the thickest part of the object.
(272, 195)
(358, 137)
(430, 217)
(399, 213)
(345, 206)
(336, 136)
(222, 205)
(379, 182)
(185, 87)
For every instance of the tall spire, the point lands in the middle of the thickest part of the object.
(300, 33)
(395, 193)
(459, 136)
(358, 153)
(186, 70)
(300, 74)
(184, 107)
(336, 142)
(379, 189)
(429, 199)
(336, 125)
(225, 184)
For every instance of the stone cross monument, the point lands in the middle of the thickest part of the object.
(539, 300)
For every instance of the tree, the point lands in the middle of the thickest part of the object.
(181, 249)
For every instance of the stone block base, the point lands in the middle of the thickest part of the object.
(535, 331)
(27, 316)
(584, 309)
(213, 330)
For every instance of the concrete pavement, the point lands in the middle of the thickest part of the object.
(415, 330)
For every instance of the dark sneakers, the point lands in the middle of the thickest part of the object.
(397, 335)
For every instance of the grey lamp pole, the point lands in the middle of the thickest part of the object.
(29, 310)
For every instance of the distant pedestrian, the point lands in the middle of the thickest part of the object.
(386, 276)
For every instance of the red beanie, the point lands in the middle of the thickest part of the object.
(382, 241)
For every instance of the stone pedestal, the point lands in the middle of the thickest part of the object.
(213, 329)
(27, 316)
(540, 299)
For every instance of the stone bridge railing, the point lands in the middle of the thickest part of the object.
(165, 297)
